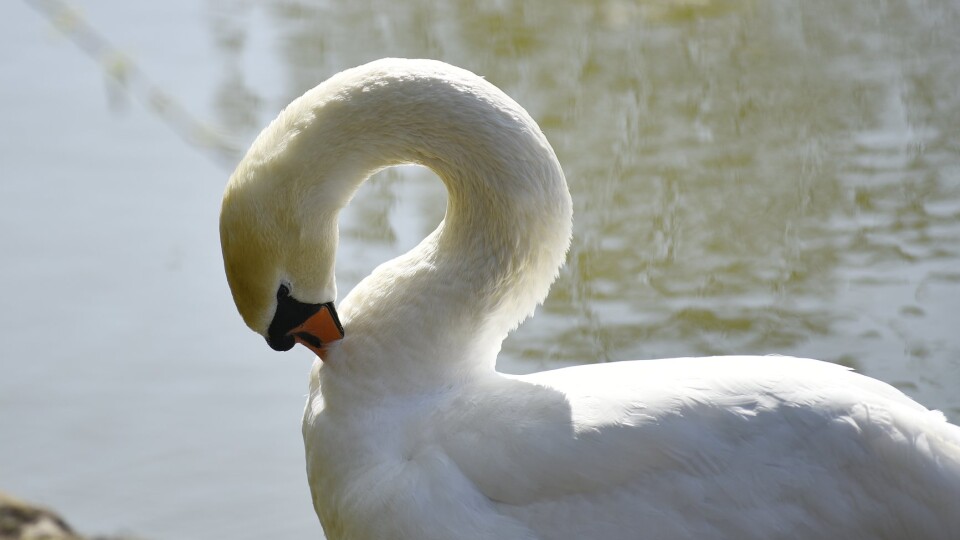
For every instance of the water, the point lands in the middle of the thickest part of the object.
(748, 177)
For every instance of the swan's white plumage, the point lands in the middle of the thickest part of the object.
(411, 433)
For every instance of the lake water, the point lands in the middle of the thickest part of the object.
(748, 177)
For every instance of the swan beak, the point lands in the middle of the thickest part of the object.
(319, 330)
(314, 326)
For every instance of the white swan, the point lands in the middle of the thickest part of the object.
(411, 433)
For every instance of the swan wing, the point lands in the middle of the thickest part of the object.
(683, 445)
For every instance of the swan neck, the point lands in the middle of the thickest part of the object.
(507, 225)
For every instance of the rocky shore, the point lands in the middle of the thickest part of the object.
(20, 520)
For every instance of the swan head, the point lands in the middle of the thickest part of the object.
(278, 251)
(504, 236)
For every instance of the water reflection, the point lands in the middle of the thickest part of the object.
(749, 177)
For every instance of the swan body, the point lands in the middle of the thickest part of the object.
(410, 432)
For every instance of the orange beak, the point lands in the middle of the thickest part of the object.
(315, 326)
(319, 330)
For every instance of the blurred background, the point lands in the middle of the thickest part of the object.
(748, 176)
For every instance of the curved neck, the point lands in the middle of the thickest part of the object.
(448, 303)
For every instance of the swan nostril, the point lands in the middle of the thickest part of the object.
(309, 339)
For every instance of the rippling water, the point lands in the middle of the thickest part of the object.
(748, 177)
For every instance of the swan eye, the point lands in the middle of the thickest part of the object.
(283, 292)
